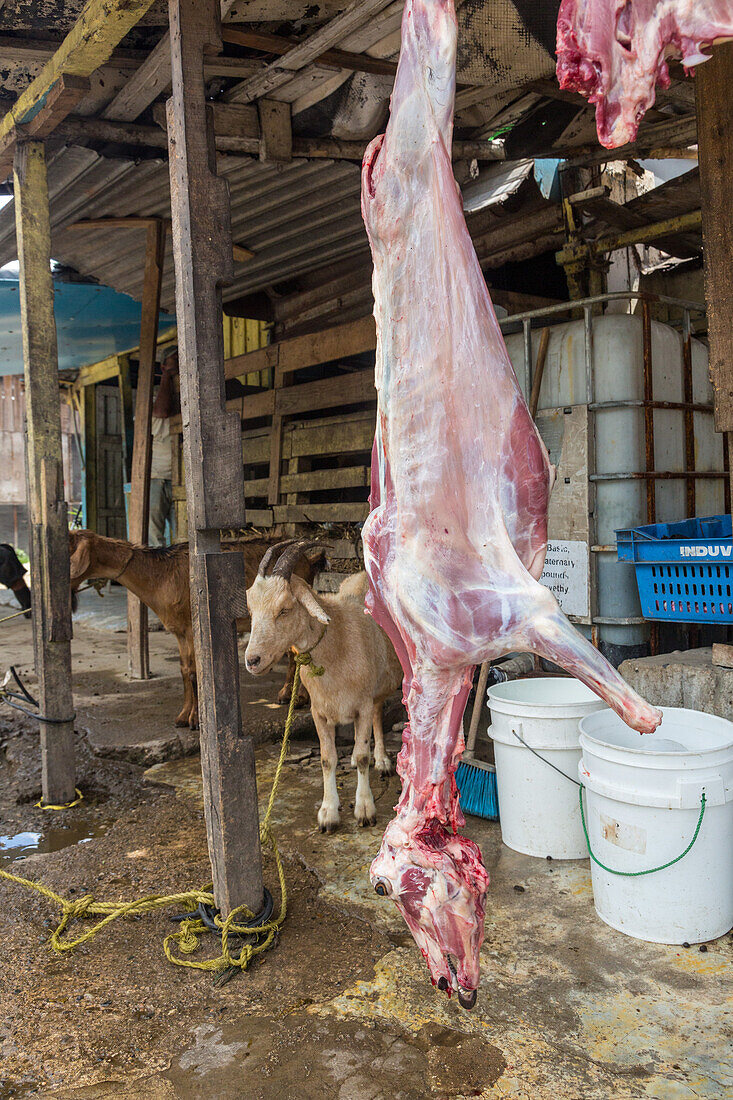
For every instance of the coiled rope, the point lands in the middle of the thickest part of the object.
(186, 939)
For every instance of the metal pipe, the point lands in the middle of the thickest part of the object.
(590, 393)
(688, 411)
(657, 475)
(527, 329)
(641, 404)
(611, 296)
(651, 498)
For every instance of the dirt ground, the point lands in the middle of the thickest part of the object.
(341, 1007)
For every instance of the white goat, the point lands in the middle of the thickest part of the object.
(360, 665)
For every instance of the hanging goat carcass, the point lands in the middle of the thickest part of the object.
(359, 666)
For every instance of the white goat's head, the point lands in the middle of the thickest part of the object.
(282, 607)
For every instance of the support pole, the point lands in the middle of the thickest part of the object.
(202, 248)
(46, 504)
(138, 656)
(713, 82)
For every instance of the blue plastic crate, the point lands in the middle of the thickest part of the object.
(684, 570)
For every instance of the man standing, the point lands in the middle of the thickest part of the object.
(161, 466)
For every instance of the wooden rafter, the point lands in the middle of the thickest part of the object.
(88, 45)
(279, 72)
(275, 43)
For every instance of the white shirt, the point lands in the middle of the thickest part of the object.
(161, 465)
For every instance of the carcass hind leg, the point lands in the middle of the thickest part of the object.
(328, 815)
(365, 811)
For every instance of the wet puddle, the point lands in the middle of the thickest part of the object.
(20, 845)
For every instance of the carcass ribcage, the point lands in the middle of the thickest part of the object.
(456, 538)
(615, 53)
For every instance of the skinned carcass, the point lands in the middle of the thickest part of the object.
(614, 52)
(455, 542)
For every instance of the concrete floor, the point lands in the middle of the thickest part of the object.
(568, 1007)
(342, 1008)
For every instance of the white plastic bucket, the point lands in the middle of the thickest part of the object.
(538, 809)
(642, 806)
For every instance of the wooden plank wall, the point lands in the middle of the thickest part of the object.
(307, 437)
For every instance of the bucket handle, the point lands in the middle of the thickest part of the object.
(611, 870)
(546, 761)
(650, 870)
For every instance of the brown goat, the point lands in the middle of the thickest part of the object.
(160, 579)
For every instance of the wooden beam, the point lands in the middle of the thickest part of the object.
(276, 135)
(242, 254)
(97, 372)
(138, 658)
(62, 98)
(153, 78)
(714, 81)
(129, 222)
(35, 50)
(90, 42)
(202, 248)
(679, 133)
(281, 71)
(275, 43)
(46, 504)
(338, 342)
(247, 142)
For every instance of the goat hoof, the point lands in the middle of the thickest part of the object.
(384, 767)
(284, 696)
(365, 821)
(329, 828)
(182, 720)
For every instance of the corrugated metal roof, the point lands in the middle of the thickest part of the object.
(293, 217)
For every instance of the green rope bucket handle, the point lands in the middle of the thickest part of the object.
(650, 870)
(611, 870)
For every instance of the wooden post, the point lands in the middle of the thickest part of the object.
(89, 430)
(138, 656)
(126, 416)
(713, 82)
(202, 248)
(46, 504)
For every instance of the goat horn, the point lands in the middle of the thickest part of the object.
(291, 556)
(269, 554)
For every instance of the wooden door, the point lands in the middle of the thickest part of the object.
(111, 519)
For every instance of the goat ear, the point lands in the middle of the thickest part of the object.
(305, 596)
(80, 560)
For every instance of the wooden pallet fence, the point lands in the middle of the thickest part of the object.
(300, 467)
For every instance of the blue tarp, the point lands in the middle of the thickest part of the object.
(92, 322)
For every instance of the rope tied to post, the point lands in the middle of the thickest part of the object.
(260, 935)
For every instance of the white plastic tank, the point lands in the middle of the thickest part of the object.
(618, 369)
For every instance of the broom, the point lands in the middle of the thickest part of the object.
(476, 780)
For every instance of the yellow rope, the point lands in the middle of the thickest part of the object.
(41, 805)
(186, 939)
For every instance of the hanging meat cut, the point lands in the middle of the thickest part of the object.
(456, 537)
(614, 52)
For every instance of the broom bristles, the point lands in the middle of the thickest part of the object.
(477, 785)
